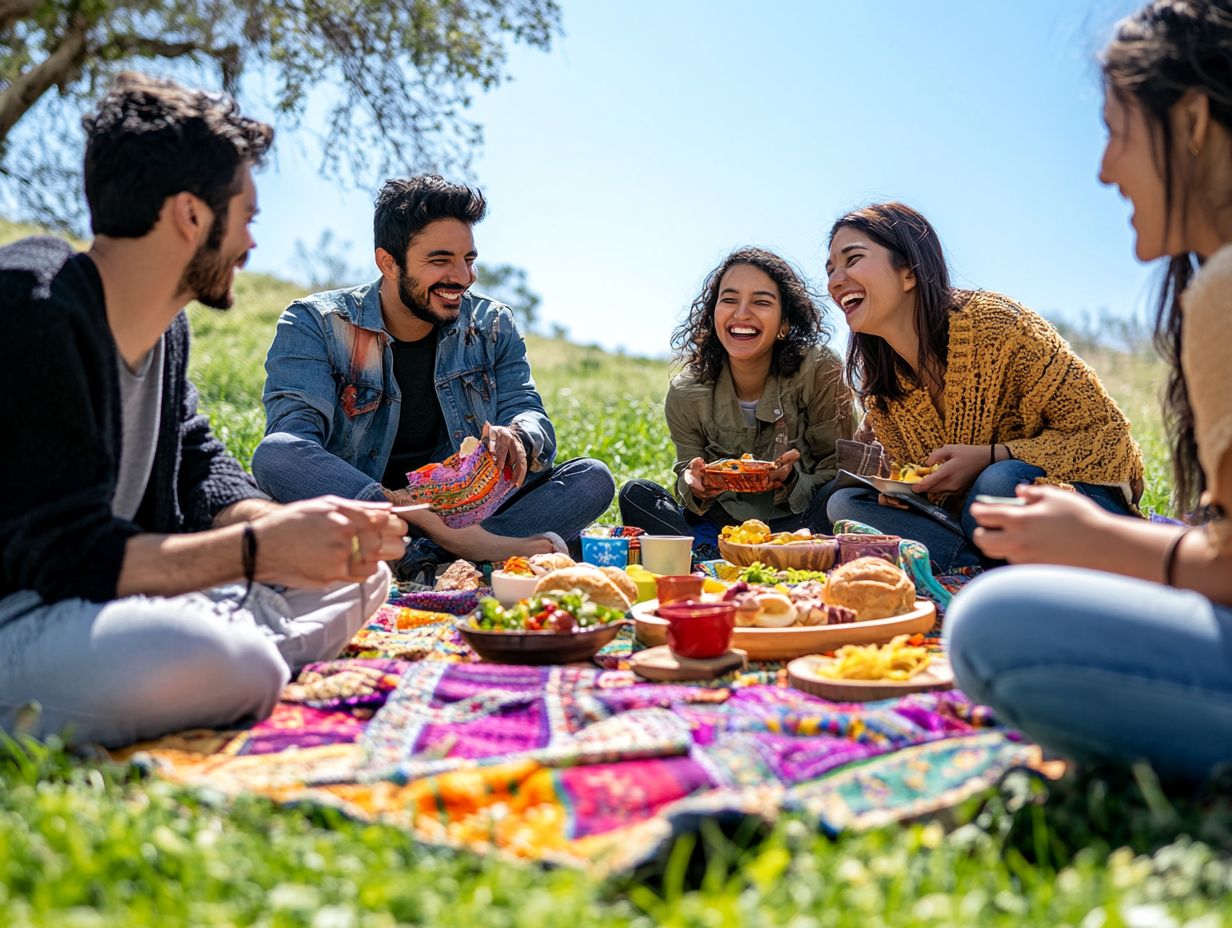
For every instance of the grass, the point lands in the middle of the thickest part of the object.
(90, 844)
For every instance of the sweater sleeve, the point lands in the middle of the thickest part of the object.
(1075, 426)
(828, 417)
(58, 536)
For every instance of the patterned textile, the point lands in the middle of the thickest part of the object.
(462, 490)
(455, 602)
(583, 765)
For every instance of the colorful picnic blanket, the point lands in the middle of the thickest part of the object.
(583, 765)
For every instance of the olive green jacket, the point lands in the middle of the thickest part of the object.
(808, 411)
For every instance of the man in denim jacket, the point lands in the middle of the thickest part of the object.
(368, 383)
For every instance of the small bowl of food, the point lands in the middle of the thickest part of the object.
(547, 628)
(745, 474)
(784, 551)
(509, 587)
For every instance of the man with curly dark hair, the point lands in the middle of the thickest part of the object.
(146, 584)
(758, 379)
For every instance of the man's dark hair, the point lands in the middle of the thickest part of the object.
(406, 205)
(151, 139)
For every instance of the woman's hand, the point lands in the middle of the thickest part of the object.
(784, 466)
(959, 465)
(1055, 527)
(699, 482)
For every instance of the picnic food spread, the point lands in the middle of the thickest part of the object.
(900, 659)
(611, 587)
(563, 612)
(873, 587)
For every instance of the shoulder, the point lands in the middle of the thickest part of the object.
(487, 314)
(44, 269)
(1210, 292)
(346, 302)
(820, 362)
(988, 314)
(686, 383)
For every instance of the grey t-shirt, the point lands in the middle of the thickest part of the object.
(141, 403)
(749, 411)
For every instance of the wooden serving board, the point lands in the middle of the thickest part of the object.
(803, 674)
(664, 665)
(780, 644)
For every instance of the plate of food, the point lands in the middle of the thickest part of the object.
(744, 474)
(866, 601)
(902, 479)
(572, 613)
(753, 542)
(858, 673)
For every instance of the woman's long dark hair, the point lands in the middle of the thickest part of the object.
(697, 341)
(1156, 56)
(874, 369)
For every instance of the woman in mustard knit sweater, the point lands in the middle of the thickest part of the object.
(972, 382)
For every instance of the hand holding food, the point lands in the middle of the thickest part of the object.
(910, 473)
(700, 483)
(955, 468)
(784, 467)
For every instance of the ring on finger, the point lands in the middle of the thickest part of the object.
(355, 548)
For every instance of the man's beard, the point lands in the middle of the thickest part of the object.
(207, 276)
(419, 300)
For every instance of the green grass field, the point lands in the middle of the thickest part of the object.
(83, 844)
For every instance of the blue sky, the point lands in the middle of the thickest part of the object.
(655, 137)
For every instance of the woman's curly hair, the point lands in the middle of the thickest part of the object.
(696, 341)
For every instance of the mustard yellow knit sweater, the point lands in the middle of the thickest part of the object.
(1011, 378)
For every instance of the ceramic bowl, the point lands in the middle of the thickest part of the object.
(509, 588)
(538, 647)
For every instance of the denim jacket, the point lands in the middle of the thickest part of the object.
(330, 381)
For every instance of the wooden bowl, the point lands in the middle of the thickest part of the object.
(803, 674)
(538, 647)
(752, 477)
(819, 554)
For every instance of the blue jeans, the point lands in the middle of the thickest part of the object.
(1098, 666)
(948, 548)
(645, 504)
(564, 499)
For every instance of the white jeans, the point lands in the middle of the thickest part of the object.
(119, 672)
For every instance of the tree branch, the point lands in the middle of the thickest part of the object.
(13, 10)
(56, 68)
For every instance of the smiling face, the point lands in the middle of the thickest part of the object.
(748, 316)
(1132, 162)
(439, 267)
(876, 298)
(210, 273)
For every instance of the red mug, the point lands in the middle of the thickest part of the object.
(699, 630)
(673, 589)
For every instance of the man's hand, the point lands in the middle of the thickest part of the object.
(324, 540)
(700, 484)
(507, 450)
(959, 466)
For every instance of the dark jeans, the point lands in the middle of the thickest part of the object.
(648, 506)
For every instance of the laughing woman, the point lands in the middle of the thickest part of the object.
(971, 382)
(757, 380)
(1099, 658)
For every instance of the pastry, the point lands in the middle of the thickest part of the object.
(542, 563)
(589, 580)
(623, 581)
(460, 575)
(774, 611)
(872, 587)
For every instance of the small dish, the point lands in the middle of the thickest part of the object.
(509, 588)
(803, 674)
(854, 545)
(743, 475)
(538, 647)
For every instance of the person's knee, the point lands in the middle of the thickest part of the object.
(847, 504)
(991, 626)
(593, 478)
(1001, 478)
(638, 495)
(273, 461)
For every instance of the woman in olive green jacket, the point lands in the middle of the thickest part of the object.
(757, 380)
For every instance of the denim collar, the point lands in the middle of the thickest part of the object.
(362, 306)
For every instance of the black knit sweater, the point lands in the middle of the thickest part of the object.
(60, 428)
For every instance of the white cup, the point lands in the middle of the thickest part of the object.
(670, 555)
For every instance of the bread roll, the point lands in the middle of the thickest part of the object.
(872, 587)
(542, 563)
(623, 581)
(590, 580)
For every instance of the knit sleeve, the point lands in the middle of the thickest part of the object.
(1075, 430)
